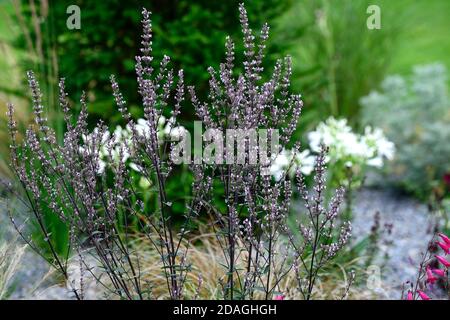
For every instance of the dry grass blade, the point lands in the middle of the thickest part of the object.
(10, 257)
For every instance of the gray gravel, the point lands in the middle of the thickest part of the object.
(399, 251)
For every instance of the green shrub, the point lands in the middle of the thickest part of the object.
(414, 113)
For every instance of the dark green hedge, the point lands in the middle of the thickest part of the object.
(191, 32)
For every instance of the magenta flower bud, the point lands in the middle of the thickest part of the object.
(279, 297)
(409, 296)
(423, 295)
(444, 246)
(445, 238)
(442, 260)
(430, 276)
(439, 272)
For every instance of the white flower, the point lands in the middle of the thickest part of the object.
(121, 134)
(142, 128)
(302, 161)
(174, 133)
(305, 161)
(87, 139)
(177, 132)
(120, 153)
(121, 141)
(345, 145)
(101, 166)
(384, 147)
(280, 164)
(375, 162)
(161, 121)
(337, 135)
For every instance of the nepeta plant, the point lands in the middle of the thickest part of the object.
(244, 102)
(318, 231)
(253, 222)
(86, 182)
(70, 180)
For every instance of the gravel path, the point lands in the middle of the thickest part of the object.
(399, 251)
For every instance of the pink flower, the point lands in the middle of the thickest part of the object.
(446, 179)
(409, 296)
(430, 276)
(445, 238)
(279, 297)
(423, 295)
(439, 272)
(444, 246)
(442, 260)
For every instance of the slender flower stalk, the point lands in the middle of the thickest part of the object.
(318, 232)
(245, 102)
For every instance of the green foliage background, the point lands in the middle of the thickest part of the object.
(192, 33)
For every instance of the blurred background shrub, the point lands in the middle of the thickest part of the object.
(414, 112)
(338, 59)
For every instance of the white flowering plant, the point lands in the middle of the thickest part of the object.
(289, 160)
(349, 153)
